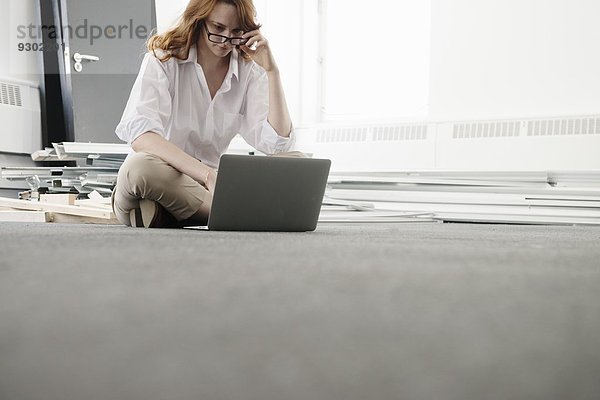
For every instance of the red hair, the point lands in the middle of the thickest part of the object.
(177, 41)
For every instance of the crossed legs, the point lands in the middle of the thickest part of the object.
(146, 176)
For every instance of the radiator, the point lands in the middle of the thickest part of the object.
(549, 143)
(20, 117)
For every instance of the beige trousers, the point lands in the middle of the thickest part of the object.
(146, 176)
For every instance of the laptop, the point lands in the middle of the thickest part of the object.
(274, 194)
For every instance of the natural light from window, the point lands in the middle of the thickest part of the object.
(376, 59)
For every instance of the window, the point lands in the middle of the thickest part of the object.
(375, 59)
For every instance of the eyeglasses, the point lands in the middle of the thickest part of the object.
(235, 41)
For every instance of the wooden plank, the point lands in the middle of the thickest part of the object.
(60, 198)
(94, 204)
(56, 208)
(25, 216)
(75, 219)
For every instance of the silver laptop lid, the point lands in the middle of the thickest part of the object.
(255, 193)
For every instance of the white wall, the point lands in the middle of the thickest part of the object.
(14, 64)
(514, 58)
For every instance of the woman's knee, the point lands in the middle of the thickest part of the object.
(141, 168)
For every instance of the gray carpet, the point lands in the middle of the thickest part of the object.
(388, 311)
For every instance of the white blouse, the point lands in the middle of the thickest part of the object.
(172, 99)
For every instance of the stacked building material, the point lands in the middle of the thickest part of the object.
(81, 180)
(523, 197)
(97, 168)
(62, 192)
(546, 197)
(63, 208)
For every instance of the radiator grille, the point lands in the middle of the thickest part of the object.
(477, 130)
(390, 133)
(400, 133)
(333, 135)
(570, 126)
(10, 95)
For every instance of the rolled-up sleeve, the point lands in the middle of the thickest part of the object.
(150, 104)
(255, 128)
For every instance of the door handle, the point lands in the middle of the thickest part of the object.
(82, 57)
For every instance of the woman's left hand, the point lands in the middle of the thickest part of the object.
(261, 54)
(211, 180)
